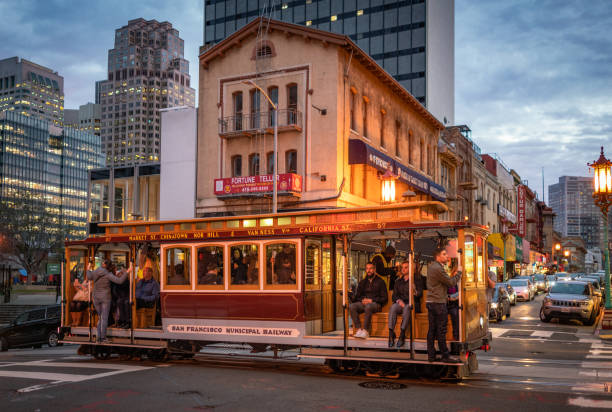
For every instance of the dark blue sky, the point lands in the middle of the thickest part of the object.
(533, 78)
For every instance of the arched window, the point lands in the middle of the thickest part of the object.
(237, 166)
(253, 164)
(270, 163)
(264, 51)
(410, 148)
(352, 103)
(382, 128)
(255, 108)
(273, 94)
(291, 161)
(422, 156)
(237, 101)
(398, 126)
(292, 103)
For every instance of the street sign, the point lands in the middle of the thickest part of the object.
(53, 268)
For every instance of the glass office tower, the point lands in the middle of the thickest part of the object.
(413, 40)
(48, 164)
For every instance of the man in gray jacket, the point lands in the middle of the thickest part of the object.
(438, 283)
(101, 293)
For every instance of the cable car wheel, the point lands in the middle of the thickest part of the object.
(347, 367)
(382, 369)
(158, 355)
(102, 352)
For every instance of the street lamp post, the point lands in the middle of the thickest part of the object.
(602, 196)
(275, 167)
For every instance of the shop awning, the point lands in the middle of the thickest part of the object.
(362, 153)
(497, 240)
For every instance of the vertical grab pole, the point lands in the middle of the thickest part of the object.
(90, 256)
(62, 297)
(132, 279)
(412, 285)
(345, 262)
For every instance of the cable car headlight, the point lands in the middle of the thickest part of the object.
(481, 321)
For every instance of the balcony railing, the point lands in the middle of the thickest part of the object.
(260, 122)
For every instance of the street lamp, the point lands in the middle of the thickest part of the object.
(602, 196)
(388, 186)
(275, 168)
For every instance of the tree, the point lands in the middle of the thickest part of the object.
(29, 231)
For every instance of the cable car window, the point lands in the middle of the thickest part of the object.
(480, 263)
(280, 264)
(313, 264)
(210, 265)
(244, 264)
(469, 258)
(178, 267)
(77, 265)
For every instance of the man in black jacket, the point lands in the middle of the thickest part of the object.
(401, 304)
(370, 297)
(438, 283)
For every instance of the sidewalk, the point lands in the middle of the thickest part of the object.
(604, 334)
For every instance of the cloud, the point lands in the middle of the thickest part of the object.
(73, 37)
(533, 82)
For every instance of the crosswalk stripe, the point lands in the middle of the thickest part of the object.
(65, 377)
(497, 332)
(60, 378)
(590, 403)
(542, 333)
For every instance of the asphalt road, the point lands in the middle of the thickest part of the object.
(532, 366)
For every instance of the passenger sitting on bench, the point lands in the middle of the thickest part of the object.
(401, 304)
(370, 297)
(147, 290)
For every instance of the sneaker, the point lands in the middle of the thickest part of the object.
(365, 334)
(104, 341)
(360, 334)
(450, 359)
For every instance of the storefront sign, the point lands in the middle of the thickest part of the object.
(522, 217)
(521, 224)
(287, 182)
(506, 214)
(53, 268)
(233, 331)
(362, 153)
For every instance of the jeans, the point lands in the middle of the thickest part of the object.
(357, 307)
(393, 312)
(123, 304)
(103, 308)
(437, 315)
(453, 311)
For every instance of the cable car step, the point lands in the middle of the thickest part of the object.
(370, 355)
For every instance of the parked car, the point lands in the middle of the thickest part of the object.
(570, 300)
(500, 305)
(601, 276)
(563, 276)
(532, 285)
(32, 328)
(521, 288)
(511, 292)
(597, 289)
(541, 283)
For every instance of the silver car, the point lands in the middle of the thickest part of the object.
(570, 300)
(522, 289)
